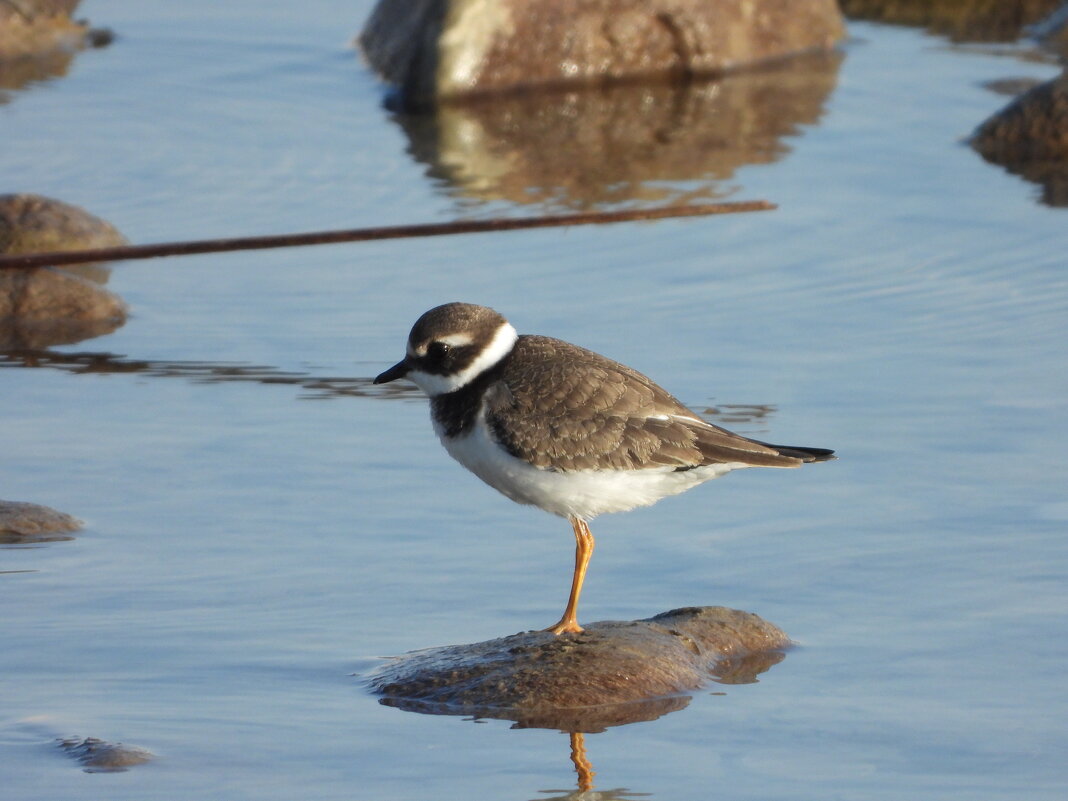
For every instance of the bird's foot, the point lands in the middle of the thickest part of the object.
(565, 626)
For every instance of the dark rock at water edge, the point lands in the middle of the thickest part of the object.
(434, 50)
(610, 674)
(1029, 137)
(99, 756)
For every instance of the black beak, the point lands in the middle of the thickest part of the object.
(399, 370)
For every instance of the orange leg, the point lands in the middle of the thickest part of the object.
(583, 552)
(582, 765)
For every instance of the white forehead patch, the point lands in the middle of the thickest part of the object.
(500, 346)
(453, 341)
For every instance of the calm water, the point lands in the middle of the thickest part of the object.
(251, 545)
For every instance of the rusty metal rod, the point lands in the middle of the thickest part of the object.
(130, 252)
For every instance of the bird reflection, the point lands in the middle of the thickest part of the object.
(314, 387)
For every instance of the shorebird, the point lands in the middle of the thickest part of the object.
(556, 426)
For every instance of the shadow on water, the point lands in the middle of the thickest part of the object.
(623, 144)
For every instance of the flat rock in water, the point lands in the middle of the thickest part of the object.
(99, 756)
(612, 673)
(446, 49)
(31, 522)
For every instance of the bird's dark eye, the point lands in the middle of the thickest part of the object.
(438, 350)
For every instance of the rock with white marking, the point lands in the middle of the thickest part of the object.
(435, 50)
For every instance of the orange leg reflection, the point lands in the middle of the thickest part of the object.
(582, 765)
(583, 552)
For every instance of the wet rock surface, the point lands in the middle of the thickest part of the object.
(99, 756)
(655, 142)
(446, 49)
(1029, 137)
(31, 522)
(610, 674)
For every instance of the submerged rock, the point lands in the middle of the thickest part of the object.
(443, 49)
(99, 756)
(1029, 137)
(610, 674)
(21, 522)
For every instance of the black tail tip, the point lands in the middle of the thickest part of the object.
(808, 454)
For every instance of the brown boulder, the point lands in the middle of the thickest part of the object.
(38, 224)
(442, 49)
(611, 673)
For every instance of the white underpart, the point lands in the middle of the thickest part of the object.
(583, 493)
(500, 346)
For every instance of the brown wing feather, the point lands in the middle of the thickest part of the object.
(563, 407)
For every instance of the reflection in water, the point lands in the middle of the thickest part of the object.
(588, 719)
(315, 387)
(578, 721)
(649, 143)
(585, 773)
(18, 73)
(12, 538)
